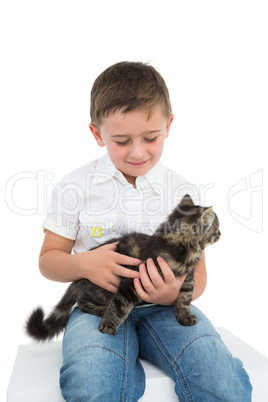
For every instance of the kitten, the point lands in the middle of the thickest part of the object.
(179, 240)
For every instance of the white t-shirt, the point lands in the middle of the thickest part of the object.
(96, 203)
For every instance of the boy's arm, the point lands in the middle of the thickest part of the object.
(102, 266)
(200, 278)
(155, 289)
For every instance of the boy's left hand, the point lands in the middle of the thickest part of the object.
(152, 288)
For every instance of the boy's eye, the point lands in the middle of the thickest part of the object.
(122, 143)
(150, 139)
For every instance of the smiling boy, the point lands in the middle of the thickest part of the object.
(134, 141)
(130, 116)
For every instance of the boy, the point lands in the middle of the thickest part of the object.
(128, 189)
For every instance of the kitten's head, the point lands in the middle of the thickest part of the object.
(193, 222)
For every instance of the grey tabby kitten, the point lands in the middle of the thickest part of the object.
(179, 240)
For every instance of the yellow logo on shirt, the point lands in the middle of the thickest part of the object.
(96, 232)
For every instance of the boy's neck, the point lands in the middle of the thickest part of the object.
(130, 179)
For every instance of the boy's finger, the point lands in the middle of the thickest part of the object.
(153, 273)
(126, 272)
(112, 246)
(146, 279)
(140, 291)
(122, 258)
(167, 272)
(111, 288)
(181, 279)
(126, 260)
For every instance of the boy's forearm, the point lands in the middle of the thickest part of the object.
(57, 265)
(200, 285)
(200, 278)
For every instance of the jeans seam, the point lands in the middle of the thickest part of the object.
(95, 347)
(122, 392)
(189, 343)
(176, 366)
(171, 360)
(69, 330)
(123, 396)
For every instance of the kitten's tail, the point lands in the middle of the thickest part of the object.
(45, 329)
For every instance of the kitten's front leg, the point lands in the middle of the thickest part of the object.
(119, 308)
(183, 303)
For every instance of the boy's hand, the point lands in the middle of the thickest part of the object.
(154, 288)
(105, 267)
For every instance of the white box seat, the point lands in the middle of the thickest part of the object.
(35, 375)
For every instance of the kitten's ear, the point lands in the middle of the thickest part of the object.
(207, 219)
(186, 201)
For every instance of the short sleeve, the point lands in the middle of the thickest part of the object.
(63, 209)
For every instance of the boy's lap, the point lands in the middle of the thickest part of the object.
(82, 333)
(160, 333)
(148, 331)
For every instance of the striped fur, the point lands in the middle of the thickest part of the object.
(179, 240)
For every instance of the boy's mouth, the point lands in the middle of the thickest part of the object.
(137, 163)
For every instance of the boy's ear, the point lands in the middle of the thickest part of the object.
(169, 125)
(97, 135)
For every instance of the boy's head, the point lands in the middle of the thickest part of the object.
(128, 86)
(131, 116)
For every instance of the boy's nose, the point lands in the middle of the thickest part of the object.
(136, 152)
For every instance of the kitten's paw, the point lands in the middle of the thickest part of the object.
(107, 329)
(187, 320)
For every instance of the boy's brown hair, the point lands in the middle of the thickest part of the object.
(128, 86)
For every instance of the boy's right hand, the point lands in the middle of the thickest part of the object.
(104, 266)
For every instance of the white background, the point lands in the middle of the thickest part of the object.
(213, 56)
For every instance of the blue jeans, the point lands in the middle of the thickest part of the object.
(101, 367)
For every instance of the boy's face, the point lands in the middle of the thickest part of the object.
(134, 143)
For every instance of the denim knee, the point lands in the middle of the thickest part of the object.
(96, 373)
(92, 374)
(206, 370)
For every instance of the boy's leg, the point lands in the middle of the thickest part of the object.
(100, 367)
(195, 357)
